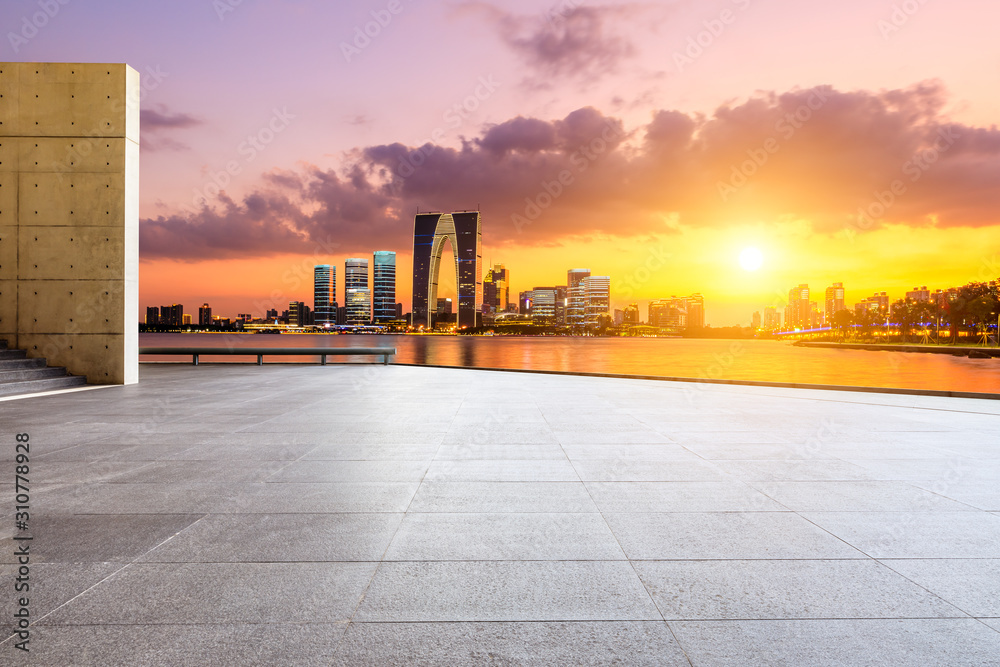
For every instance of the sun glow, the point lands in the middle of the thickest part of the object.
(751, 259)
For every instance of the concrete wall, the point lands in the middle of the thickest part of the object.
(69, 216)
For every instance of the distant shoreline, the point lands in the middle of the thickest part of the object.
(953, 350)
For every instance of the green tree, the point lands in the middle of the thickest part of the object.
(843, 320)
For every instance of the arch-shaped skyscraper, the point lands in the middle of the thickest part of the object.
(465, 231)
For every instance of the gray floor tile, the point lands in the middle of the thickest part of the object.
(679, 497)
(502, 470)
(783, 589)
(864, 496)
(983, 493)
(350, 471)
(426, 537)
(506, 591)
(794, 471)
(96, 538)
(577, 643)
(274, 538)
(471, 452)
(311, 498)
(373, 452)
(199, 472)
(208, 593)
(626, 470)
(224, 645)
(915, 534)
(832, 643)
(631, 452)
(972, 585)
(502, 497)
(50, 585)
(725, 535)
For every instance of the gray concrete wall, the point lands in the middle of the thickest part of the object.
(69, 216)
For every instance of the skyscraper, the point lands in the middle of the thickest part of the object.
(834, 302)
(576, 298)
(205, 316)
(496, 289)
(325, 294)
(597, 295)
(357, 295)
(152, 316)
(695, 311)
(772, 319)
(798, 312)
(384, 282)
(465, 232)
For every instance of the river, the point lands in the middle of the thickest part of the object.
(770, 361)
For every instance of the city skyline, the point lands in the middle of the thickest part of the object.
(635, 138)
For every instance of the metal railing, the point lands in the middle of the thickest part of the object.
(260, 352)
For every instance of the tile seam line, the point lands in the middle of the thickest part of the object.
(111, 574)
(378, 566)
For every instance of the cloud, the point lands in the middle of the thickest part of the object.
(570, 40)
(155, 123)
(825, 157)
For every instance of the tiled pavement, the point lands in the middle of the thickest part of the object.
(355, 514)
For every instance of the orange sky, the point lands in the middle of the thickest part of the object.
(693, 129)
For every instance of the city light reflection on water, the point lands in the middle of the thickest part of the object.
(756, 360)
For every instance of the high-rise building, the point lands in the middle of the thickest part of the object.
(695, 307)
(496, 289)
(152, 316)
(465, 232)
(878, 303)
(631, 314)
(755, 320)
(560, 305)
(444, 306)
(298, 314)
(244, 317)
(172, 316)
(798, 314)
(919, 295)
(576, 298)
(834, 302)
(205, 316)
(384, 284)
(543, 305)
(185, 320)
(358, 306)
(271, 315)
(597, 295)
(772, 319)
(325, 294)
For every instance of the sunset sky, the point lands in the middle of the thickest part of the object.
(852, 141)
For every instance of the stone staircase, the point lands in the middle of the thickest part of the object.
(20, 375)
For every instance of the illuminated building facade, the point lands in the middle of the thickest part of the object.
(384, 284)
(325, 294)
(464, 231)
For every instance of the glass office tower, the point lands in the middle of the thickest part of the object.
(384, 284)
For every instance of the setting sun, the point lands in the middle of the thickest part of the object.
(751, 259)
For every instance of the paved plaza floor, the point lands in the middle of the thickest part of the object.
(357, 514)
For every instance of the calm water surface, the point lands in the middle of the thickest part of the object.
(771, 361)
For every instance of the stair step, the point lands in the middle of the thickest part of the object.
(46, 384)
(31, 373)
(18, 364)
(3, 344)
(12, 354)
